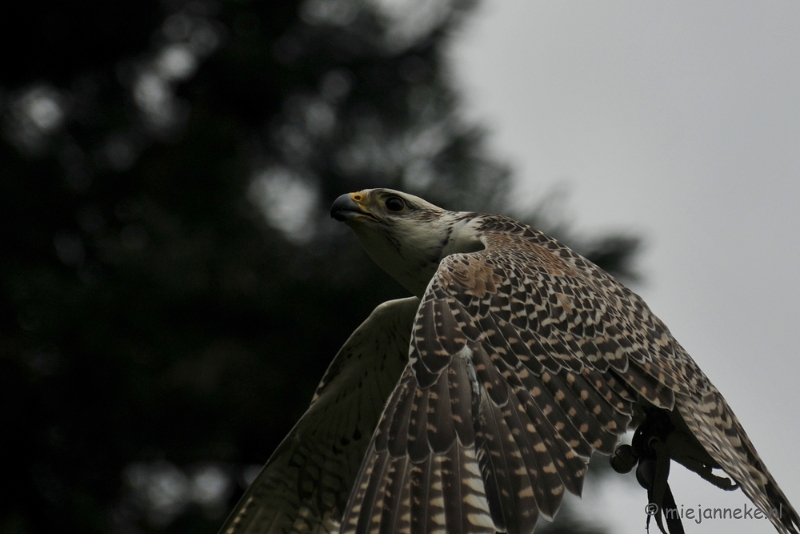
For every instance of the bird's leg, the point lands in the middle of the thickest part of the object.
(650, 448)
(683, 451)
(705, 473)
(657, 441)
(653, 475)
(659, 485)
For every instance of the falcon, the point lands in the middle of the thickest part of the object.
(475, 404)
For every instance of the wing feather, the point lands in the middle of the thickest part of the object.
(395, 495)
(569, 465)
(420, 495)
(461, 402)
(545, 482)
(440, 424)
(558, 418)
(504, 461)
(374, 494)
(418, 446)
(305, 484)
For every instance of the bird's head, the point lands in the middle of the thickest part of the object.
(406, 235)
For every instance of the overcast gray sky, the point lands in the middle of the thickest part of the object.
(679, 121)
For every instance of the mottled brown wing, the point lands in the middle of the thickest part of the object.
(658, 368)
(521, 365)
(305, 484)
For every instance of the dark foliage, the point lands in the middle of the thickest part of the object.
(171, 288)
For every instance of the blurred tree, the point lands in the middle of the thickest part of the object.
(172, 289)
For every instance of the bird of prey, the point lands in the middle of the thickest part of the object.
(472, 406)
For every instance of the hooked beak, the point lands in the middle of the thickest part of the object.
(346, 209)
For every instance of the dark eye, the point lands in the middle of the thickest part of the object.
(395, 204)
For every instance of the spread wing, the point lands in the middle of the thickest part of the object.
(525, 358)
(305, 484)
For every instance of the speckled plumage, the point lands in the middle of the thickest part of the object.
(523, 359)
